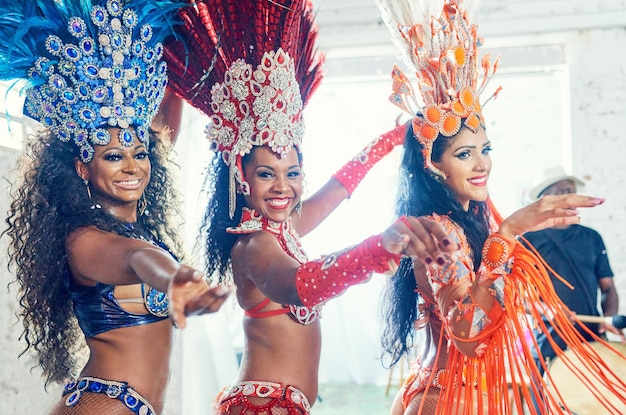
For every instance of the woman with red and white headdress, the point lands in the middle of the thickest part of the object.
(471, 309)
(251, 67)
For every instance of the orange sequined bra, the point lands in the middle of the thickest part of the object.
(289, 241)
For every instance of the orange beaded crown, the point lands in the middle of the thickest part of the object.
(439, 42)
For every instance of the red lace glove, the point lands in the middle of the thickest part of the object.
(351, 174)
(331, 275)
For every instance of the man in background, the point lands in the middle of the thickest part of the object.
(577, 253)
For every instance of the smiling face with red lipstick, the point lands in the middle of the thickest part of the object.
(275, 182)
(467, 164)
(117, 176)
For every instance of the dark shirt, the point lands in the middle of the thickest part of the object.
(587, 262)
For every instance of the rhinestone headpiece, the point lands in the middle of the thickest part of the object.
(257, 80)
(439, 42)
(100, 68)
(255, 107)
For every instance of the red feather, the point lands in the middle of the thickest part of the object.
(218, 32)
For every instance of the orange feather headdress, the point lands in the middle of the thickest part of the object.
(441, 44)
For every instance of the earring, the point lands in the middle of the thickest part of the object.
(142, 205)
(93, 205)
(299, 208)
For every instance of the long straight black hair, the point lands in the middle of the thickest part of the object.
(421, 193)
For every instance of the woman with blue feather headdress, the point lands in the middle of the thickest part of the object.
(92, 243)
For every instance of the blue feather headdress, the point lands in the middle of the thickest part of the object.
(88, 65)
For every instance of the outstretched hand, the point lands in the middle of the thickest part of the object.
(418, 238)
(549, 211)
(189, 294)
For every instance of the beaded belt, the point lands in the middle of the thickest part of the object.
(267, 390)
(114, 390)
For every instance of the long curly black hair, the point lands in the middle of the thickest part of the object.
(50, 202)
(421, 193)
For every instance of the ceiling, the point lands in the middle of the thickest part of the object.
(357, 23)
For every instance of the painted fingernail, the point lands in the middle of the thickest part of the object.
(445, 242)
(598, 200)
(428, 260)
(441, 261)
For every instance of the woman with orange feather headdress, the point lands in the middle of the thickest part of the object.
(472, 307)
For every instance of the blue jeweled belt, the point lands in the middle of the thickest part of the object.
(115, 390)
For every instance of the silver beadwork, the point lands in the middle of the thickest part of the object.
(87, 85)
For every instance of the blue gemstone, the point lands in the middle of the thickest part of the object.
(83, 91)
(92, 70)
(63, 137)
(87, 45)
(114, 7)
(88, 114)
(79, 138)
(57, 82)
(71, 52)
(131, 401)
(149, 55)
(71, 125)
(99, 16)
(127, 137)
(47, 120)
(73, 398)
(69, 96)
(54, 45)
(77, 27)
(99, 93)
(138, 48)
(147, 31)
(96, 386)
(63, 109)
(101, 136)
(81, 384)
(117, 73)
(86, 155)
(118, 111)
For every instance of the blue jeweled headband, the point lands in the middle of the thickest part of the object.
(88, 67)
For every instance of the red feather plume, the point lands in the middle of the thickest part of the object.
(215, 33)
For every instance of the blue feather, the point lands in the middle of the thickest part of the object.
(26, 24)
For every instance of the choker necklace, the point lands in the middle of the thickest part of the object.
(287, 237)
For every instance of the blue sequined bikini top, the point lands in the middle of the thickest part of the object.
(99, 311)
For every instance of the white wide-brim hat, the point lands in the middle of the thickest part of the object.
(548, 177)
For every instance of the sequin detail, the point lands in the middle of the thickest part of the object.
(114, 390)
